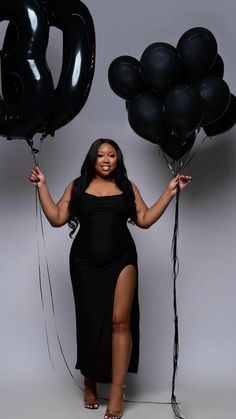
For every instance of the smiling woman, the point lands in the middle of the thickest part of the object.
(103, 265)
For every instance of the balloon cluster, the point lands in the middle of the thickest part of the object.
(30, 103)
(173, 91)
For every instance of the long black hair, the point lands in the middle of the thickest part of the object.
(81, 183)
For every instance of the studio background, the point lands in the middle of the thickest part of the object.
(206, 283)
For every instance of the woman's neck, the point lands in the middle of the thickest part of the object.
(103, 180)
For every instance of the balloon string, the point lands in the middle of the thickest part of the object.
(183, 160)
(195, 152)
(52, 301)
(173, 165)
(175, 272)
(169, 164)
(40, 282)
(39, 219)
(35, 150)
(174, 168)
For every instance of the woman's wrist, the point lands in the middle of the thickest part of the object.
(170, 193)
(42, 185)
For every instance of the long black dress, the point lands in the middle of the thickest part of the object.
(101, 249)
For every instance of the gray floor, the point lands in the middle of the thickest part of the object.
(57, 397)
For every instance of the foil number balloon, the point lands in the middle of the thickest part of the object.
(26, 80)
(73, 18)
(30, 103)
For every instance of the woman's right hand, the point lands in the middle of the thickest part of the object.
(37, 177)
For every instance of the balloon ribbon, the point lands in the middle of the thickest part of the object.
(39, 220)
(175, 272)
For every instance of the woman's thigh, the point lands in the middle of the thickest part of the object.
(124, 292)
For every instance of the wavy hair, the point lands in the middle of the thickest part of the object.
(81, 183)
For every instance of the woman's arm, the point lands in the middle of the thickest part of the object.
(148, 216)
(56, 213)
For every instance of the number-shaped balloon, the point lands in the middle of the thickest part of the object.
(73, 18)
(26, 80)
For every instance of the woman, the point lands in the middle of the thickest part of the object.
(103, 265)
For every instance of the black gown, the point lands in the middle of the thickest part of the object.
(101, 249)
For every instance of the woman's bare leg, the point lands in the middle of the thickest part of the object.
(121, 335)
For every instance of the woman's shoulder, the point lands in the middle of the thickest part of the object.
(76, 180)
(137, 194)
(69, 186)
(134, 186)
(67, 192)
(74, 183)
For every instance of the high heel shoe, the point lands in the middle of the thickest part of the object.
(114, 414)
(91, 402)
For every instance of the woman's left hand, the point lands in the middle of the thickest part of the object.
(180, 180)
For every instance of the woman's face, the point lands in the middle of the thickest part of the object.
(106, 161)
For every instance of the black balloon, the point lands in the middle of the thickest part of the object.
(146, 118)
(73, 18)
(160, 67)
(26, 80)
(198, 50)
(218, 67)
(124, 77)
(183, 110)
(174, 147)
(127, 103)
(226, 122)
(215, 94)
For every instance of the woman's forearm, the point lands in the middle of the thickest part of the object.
(58, 213)
(148, 216)
(153, 213)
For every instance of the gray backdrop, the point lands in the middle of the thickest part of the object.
(206, 281)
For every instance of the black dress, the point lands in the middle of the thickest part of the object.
(101, 249)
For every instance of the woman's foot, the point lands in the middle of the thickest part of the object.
(115, 406)
(90, 394)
